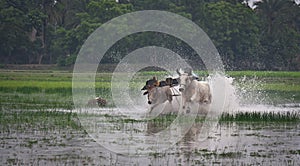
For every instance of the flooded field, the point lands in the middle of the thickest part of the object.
(41, 127)
(232, 143)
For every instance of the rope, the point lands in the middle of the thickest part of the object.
(173, 91)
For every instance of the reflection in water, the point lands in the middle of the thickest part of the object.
(231, 143)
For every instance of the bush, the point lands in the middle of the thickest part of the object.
(66, 60)
(70, 60)
(61, 61)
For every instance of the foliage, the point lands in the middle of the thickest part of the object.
(53, 89)
(282, 74)
(52, 31)
(280, 38)
(234, 30)
(51, 119)
(261, 117)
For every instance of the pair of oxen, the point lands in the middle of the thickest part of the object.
(191, 89)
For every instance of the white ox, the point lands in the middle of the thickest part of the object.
(193, 90)
(158, 96)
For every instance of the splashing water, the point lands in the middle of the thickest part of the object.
(247, 95)
(250, 92)
(231, 101)
(241, 94)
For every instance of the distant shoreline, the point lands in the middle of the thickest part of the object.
(101, 68)
(34, 67)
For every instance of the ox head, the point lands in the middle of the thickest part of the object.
(150, 84)
(185, 78)
(159, 95)
(152, 95)
(150, 88)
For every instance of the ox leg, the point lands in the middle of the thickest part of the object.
(196, 93)
(170, 98)
(152, 108)
(183, 103)
(209, 98)
(193, 99)
(188, 109)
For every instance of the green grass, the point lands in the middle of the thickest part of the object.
(249, 117)
(281, 87)
(243, 117)
(53, 89)
(44, 89)
(36, 101)
(260, 117)
(44, 119)
(30, 102)
(292, 74)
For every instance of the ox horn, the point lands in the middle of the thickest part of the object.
(180, 71)
(188, 71)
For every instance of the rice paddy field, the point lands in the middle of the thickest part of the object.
(39, 124)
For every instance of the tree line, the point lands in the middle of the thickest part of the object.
(265, 36)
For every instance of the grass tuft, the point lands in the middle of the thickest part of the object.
(261, 117)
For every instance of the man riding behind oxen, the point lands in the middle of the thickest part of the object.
(158, 92)
(155, 83)
(191, 89)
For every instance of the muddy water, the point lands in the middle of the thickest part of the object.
(232, 143)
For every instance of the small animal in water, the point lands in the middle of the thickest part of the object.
(97, 101)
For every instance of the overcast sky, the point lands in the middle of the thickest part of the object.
(251, 2)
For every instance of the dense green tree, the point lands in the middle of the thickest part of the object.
(27, 22)
(51, 31)
(234, 30)
(273, 14)
(280, 37)
(92, 14)
(13, 32)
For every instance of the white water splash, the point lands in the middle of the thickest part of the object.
(231, 101)
(247, 95)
